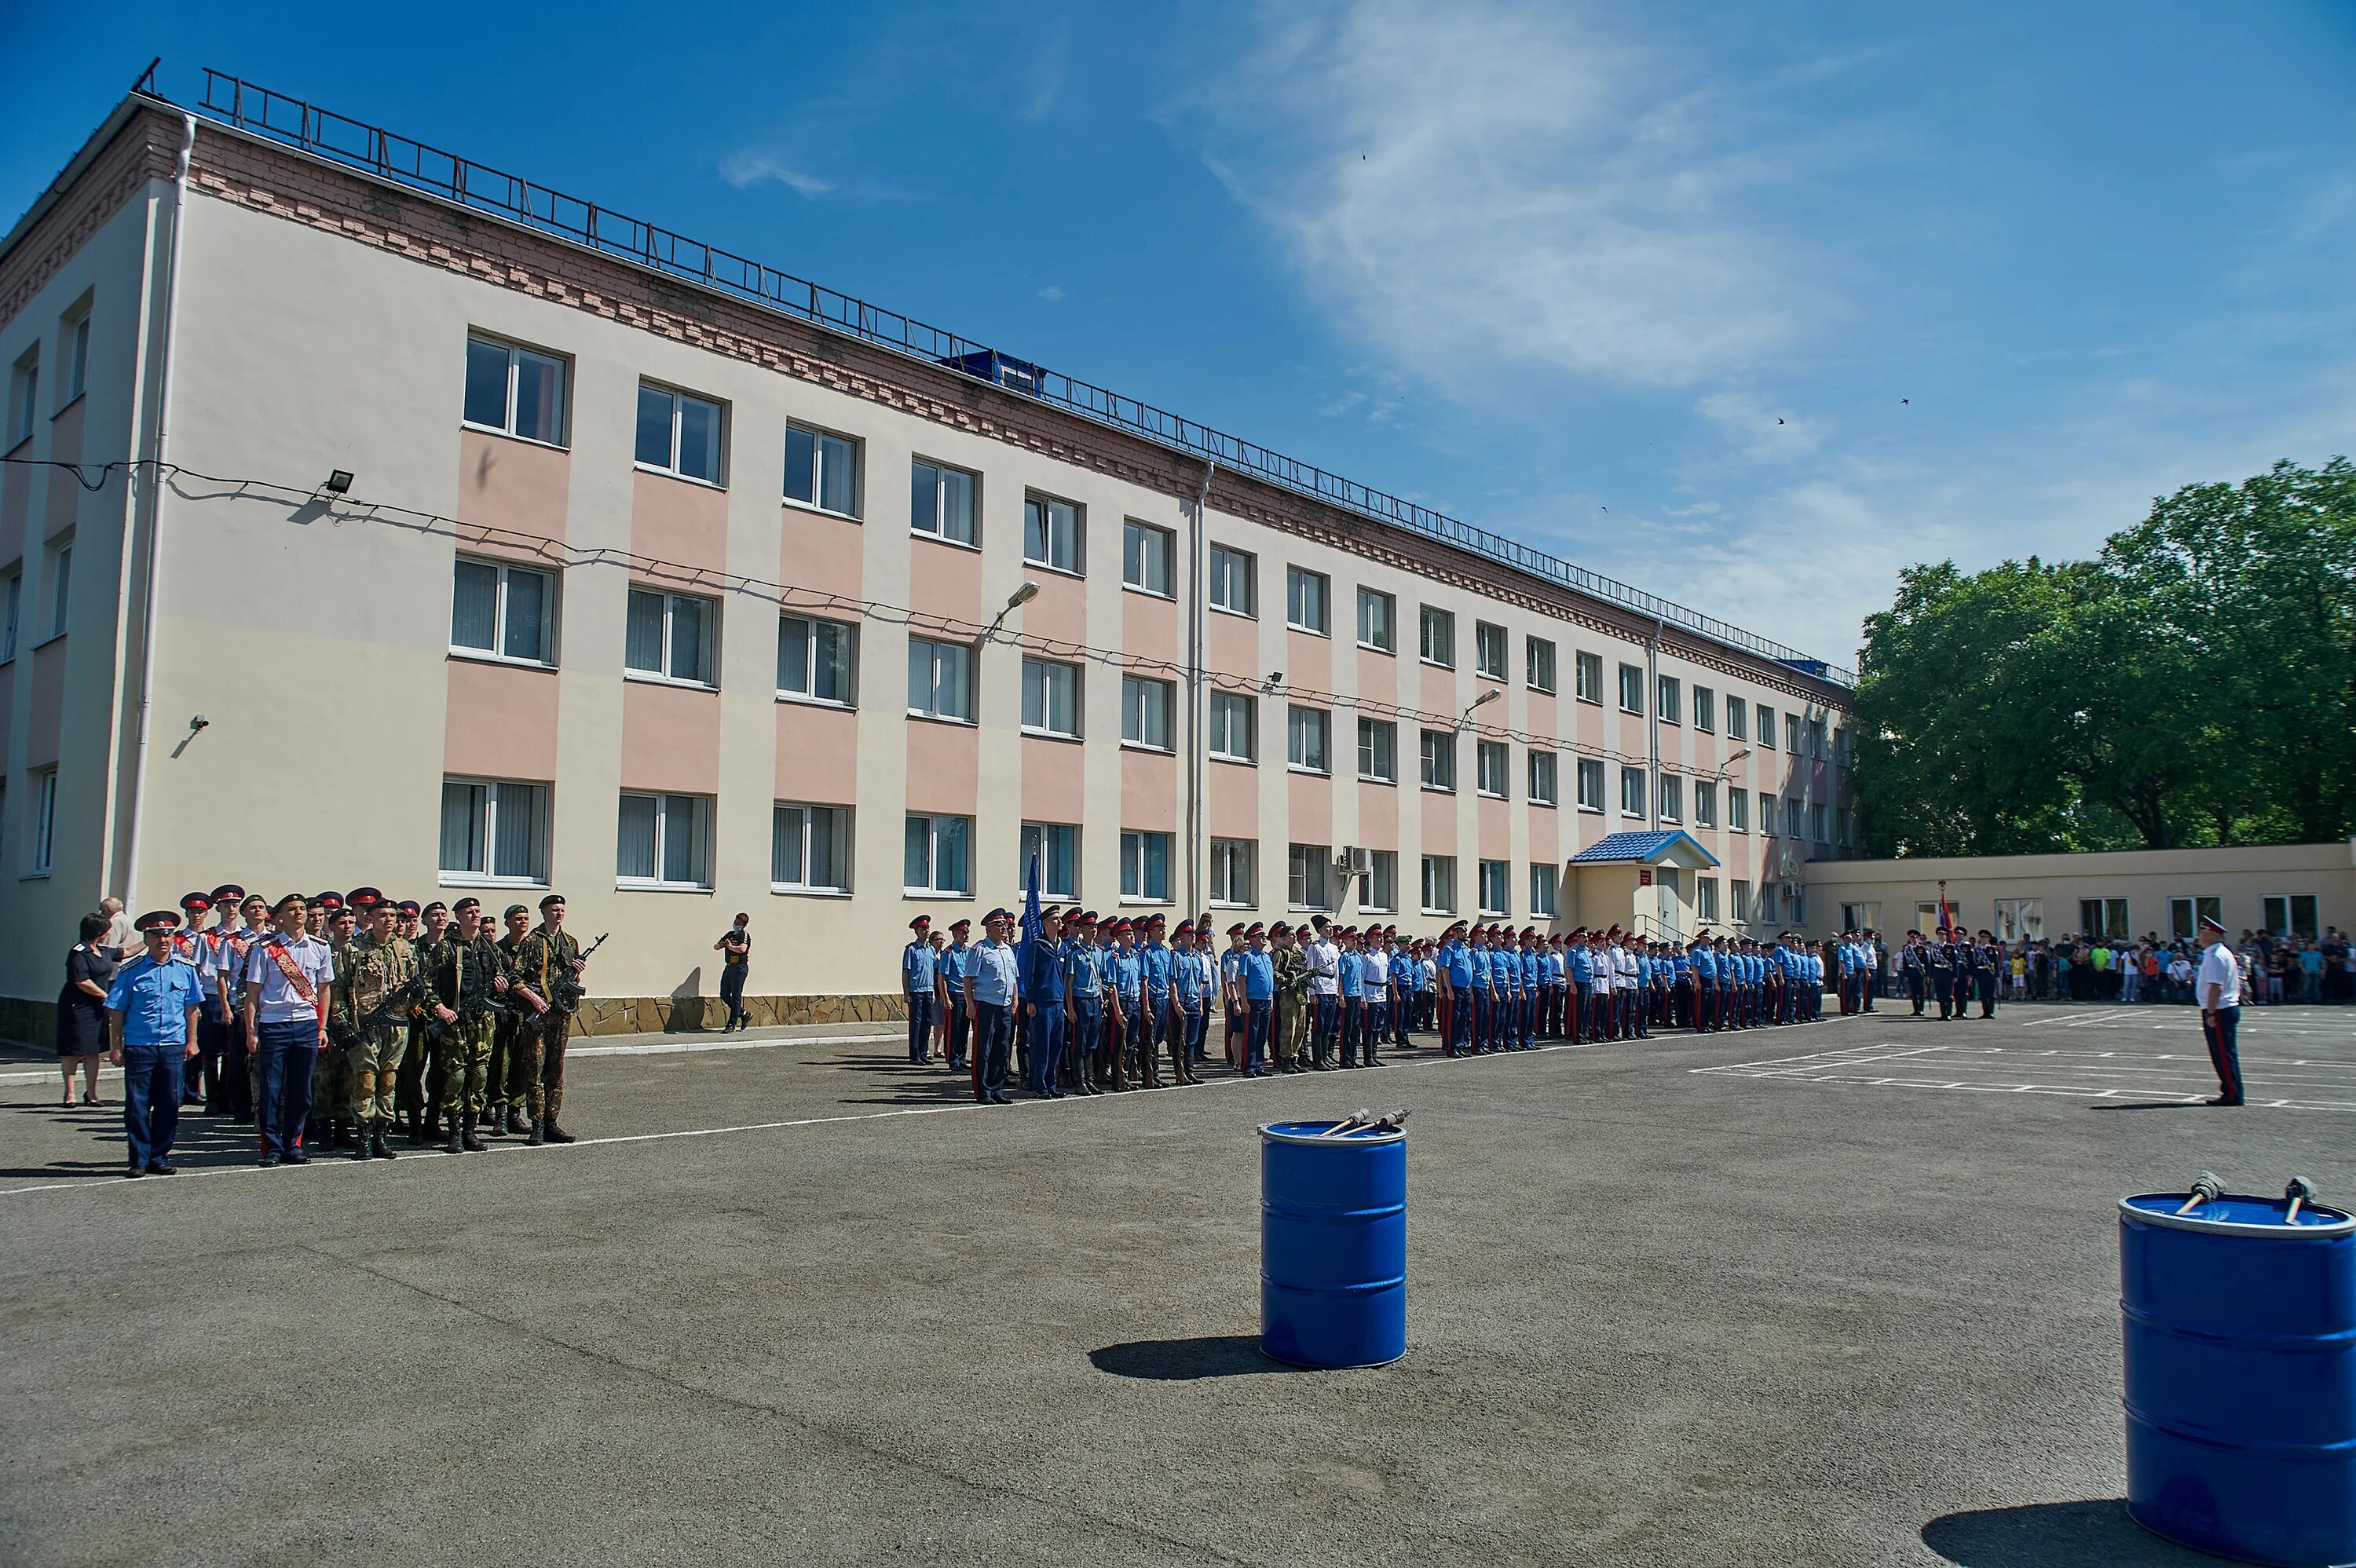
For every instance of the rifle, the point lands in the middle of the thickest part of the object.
(564, 992)
(393, 1009)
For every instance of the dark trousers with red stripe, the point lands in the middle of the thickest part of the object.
(2220, 1029)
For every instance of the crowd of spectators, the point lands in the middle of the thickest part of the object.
(2151, 969)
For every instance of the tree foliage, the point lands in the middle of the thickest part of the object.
(2195, 684)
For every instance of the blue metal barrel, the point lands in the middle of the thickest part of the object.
(1333, 1245)
(2240, 1376)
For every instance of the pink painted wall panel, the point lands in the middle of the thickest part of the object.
(822, 555)
(944, 767)
(945, 584)
(679, 522)
(1149, 792)
(1378, 816)
(818, 753)
(1493, 820)
(1436, 692)
(1054, 781)
(670, 738)
(1232, 647)
(65, 446)
(1308, 663)
(46, 712)
(1544, 829)
(1058, 617)
(1150, 629)
(501, 722)
(1438, 822)
(1231, 790)
(513, 486)
(1378, 678)
(1539, 715)
(1308, 808)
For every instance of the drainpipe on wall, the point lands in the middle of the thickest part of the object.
(128, 885)
(1653, 725)
(1197, 634)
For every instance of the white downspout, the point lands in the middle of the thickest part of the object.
(154, 470)
(1197, 635)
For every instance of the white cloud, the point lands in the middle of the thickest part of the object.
(1052, 293)
(1764, 434)
(1477, 183)
(749, 169)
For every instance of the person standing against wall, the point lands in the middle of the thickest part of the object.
(736, 950)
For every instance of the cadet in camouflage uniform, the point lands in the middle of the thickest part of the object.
(1291, 997)
(371, 967)
(331, 1075)
(548, 962)
(505, 1097)
(466, 987)
(419, 1113)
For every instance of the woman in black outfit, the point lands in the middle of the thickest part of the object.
(81, 1009)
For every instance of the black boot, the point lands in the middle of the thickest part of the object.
(432, 1124)
(454, 1143)
(516, 1122)
(360, 1141)
(378, 1147)
(539, 1134)
(468, 1141)
(416, 1127)
(557, 1134)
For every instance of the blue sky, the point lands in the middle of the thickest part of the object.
(1751, 305)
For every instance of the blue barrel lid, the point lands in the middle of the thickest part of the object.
(2238, 1214)
(1316, 1132)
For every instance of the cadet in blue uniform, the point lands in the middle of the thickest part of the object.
(1042, 1008)
(1257, 970)
(919, 983)
(1405, 974)
(955, 968)
(152, 1008)
(1083, 1004)
(991, 1001)
(1154, 979)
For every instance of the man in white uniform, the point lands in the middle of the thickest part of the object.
(2219, 986)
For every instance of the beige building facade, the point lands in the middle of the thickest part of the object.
(2291, 889)
(394, 539)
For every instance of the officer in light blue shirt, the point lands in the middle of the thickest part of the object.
(152, 1008)
(918, 986)
(955, 966)
(1083, 1004)
(1256, 969)
(1153, 964)
(992, 1000)
(1455, 964)
(1405, 976)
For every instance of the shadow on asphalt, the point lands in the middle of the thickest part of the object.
(2055, 1535)
(2152, 1106)
(203, 1139)
(1181, 1361)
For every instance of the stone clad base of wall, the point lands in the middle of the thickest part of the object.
(684, 1015)
(32, 1023)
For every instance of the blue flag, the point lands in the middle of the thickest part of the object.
(1037, 960)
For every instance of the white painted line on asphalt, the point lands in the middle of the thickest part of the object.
(691, 1044)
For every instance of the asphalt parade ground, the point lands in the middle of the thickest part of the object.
(1839, 1294)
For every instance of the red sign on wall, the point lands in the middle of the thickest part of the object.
(1643, 879)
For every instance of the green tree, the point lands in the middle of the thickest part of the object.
(2196, 684)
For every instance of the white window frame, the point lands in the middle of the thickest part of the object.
(1539, 671)
(840, 837)
(1143, 543)
(2019, 920)
(1134, 888)
(1767, 814)
(1765, 729)
(1673, 798)
(1632, 679)
(1587, 672)
(1438, 884)
(1792, 742)
(12, 590)
(827, 449)
(1738, 900)
(1546, 890)
(809, 624)
(1223, 735)
(516, 354)
(1066, 551)
(1045, 676)
(941, 489)
(1435, 628)
(45, 821)
(1308, 877)
(1737, 810)
(498, 652)
(1234, 860)
(1376, 736)
(933, 887)
(1309, 740)
(1737, 718)
(1387, 639)
(1488, 637)
(1035, 837)
(1669, 701)
(1301, 587)
(708, 640)
(1632, 789)
(1498, 875)
(1132, 710)
(486, 828)
(1590, 770)
(1705, 711)
(73, 335)
(1705, 900)
(699, 814)
(1705, 803)
(60, 585)
(23, 398)
(679, 398)
(1435, 756)
(1378, 889)
(1228, 566)
(1493, 770)
(1546, 777)
(931, 649)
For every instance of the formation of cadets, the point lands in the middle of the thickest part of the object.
(1954, 971)
(1095, 1006)
(347, 1020)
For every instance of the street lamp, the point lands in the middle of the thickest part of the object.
(1015, 601)
(1727, 766)
(1480, 701)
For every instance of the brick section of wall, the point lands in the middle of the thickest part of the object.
(675, 1014)
(268, 177)
(145, 148)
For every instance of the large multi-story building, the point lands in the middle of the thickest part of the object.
(370, 516)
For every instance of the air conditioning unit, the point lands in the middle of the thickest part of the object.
(1354, 860)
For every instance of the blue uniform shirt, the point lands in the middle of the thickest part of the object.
(1127, 972)
(1080, 965)
(1154, 963)
(916, 970)
(957, 968)
(154, 999)
(1353, 981)
(995, 976)
(1259, 976)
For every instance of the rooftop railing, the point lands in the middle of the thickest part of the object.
(401, 161)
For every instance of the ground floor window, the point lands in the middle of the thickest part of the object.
(1543, 883)
(1056, 848)
(1145, 867)
(495, 829)
(1234, 880)
(810, 848)
(665, 841)
(938, 857)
